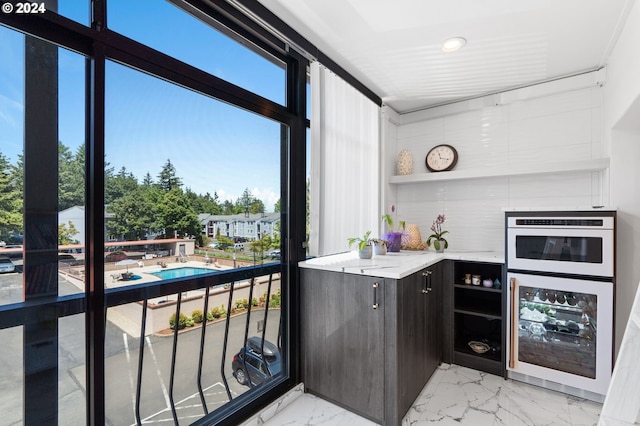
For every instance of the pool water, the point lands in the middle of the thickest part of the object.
(187, 271)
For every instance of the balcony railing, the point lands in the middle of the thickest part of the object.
(182, 362)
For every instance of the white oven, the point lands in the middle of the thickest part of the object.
(565, 245)
(560, 300)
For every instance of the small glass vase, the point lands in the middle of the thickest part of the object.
(395, 241)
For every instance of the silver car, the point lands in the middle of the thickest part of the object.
(6, 265)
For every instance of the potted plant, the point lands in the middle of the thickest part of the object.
(379, 246)
(365, 250)
(393, 236)
(439, 243)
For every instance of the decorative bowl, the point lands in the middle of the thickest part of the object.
(478, 347)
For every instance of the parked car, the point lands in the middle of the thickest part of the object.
(275, 254)
(249, 364)
(116, 256)
(6, 265)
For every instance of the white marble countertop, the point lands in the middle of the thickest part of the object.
(394, 265)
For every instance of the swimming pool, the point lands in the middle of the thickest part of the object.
(186, 271)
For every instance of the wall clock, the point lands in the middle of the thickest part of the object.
(441, 158)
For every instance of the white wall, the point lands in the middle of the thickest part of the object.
(488, 132)
(75, 215)
(622, 135)
(554, 122)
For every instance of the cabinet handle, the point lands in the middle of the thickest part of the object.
(515, 314)
(427, 282)
(375, 296)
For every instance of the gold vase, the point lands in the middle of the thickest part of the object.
(411, 239)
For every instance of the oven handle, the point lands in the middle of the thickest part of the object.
(515, 313)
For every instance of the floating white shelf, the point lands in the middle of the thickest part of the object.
(537, 169)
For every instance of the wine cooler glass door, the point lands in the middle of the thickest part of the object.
(561, 330)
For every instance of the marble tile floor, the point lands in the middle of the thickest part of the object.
(455, 396)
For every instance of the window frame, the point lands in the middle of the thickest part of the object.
(99, 44)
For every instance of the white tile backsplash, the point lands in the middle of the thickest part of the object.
(559, 128)
(553, 105)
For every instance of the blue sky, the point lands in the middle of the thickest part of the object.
(214, 147)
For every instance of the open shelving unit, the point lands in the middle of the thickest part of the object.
(593, 165)
(478, 315)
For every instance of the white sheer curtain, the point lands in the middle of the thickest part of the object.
(345, 163)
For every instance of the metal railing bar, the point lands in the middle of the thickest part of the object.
(224, 342)
(140, 360)
(200, 359)
(176, 329)
(280, 328)
(246, 333)
(266, 312)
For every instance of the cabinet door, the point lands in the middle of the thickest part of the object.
(412, 336)
(342, 338)
(436, 320)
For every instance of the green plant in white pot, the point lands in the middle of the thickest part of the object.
(379, 246)
(436, 239)
(365, 251)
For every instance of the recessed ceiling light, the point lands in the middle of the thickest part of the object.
(452, 44)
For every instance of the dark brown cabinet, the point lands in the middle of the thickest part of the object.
(370, 344)
(417, 300)
(342, 336)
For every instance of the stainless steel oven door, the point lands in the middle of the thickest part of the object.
(565, 251)
(561, 330)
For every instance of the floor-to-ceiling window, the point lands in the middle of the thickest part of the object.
(152, 190)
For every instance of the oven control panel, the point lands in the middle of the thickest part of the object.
(561, 222)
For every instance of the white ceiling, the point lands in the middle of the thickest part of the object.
(393, 47)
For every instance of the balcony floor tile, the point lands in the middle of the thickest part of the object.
(459, 396)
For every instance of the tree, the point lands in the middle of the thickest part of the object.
(71, 177)
(66, 233)
(118, 185)
(148, 180)
(257, 206)
(135, 214)
(209, 204)
(261, 245)
(168, 179)
(245, 201)
(228, 207)
(176, 216)
(224, 242)
(10, 200)
(275, 240)
(276, 206)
